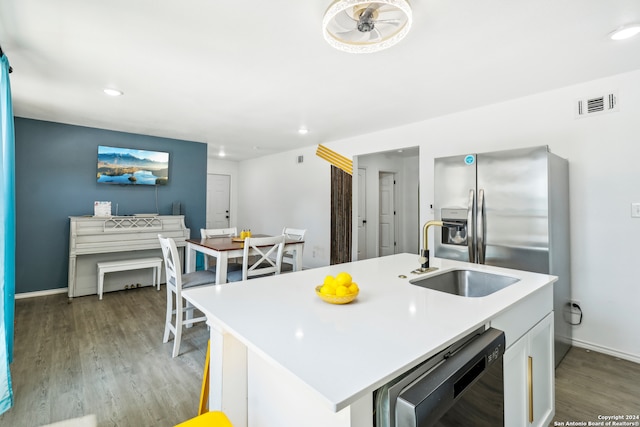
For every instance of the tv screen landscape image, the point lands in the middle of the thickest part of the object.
(132, 167)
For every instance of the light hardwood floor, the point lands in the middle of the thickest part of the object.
(107, 358)
(589, 384)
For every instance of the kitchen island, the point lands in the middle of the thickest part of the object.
(280, 356)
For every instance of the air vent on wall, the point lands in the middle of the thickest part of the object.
(597, 105)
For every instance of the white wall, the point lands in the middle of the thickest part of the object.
(603, 153)
(411, 239)
(276, 192)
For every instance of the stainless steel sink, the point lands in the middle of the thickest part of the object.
(466, 283)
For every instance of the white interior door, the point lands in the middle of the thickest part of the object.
(218, 200)
(387, 214)
(362, 213)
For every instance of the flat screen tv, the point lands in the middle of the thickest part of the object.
(127, 166)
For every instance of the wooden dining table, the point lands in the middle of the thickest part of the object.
(224, 248)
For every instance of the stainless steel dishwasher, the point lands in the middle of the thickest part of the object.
(460, 386)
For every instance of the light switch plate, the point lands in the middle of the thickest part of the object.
(635, 210)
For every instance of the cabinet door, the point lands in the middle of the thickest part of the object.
(529, 378)
(515, 381)
(542, 371)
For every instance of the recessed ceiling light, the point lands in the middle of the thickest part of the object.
(221, 152)
(303, 131)
(625, 32)
(113, 92)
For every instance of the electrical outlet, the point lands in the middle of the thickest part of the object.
(635, 210)
(317, 252)
(575, 313)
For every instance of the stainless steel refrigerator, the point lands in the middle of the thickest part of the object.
(513, 211)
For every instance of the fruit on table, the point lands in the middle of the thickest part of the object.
(340, 285)
(343, 279)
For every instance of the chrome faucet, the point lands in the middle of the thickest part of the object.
(424, 253)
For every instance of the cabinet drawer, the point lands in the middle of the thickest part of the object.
(521, 317)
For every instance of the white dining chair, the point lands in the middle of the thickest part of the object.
(207, 233)
(296, 234)
(176, 282)
(261, 256)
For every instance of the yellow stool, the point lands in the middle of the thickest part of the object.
(205, 418)
(208, 419)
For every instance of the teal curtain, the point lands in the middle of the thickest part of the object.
(8, 236)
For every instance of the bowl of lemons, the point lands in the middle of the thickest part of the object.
(340, 289)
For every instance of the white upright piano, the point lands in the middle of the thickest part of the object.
(96, 239)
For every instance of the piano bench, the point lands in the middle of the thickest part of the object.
(129, 264)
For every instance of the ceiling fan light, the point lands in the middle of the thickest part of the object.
(341, 38)
(625, 32)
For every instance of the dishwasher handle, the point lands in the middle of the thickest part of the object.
(430, 396)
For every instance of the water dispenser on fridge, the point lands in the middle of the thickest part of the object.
(454, 231)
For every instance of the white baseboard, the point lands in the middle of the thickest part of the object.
(619, 354)
(41, 293)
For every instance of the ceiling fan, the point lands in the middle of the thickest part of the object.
(358, 26)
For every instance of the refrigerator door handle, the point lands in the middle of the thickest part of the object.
(482, 228)
(471, 240)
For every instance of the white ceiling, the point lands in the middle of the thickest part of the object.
(246, 75)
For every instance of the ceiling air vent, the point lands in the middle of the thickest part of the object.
(597, 105)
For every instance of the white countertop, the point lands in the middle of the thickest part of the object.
(344, 351)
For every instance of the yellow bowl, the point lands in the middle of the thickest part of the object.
(334, 299)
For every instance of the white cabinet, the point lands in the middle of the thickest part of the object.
(529, 377)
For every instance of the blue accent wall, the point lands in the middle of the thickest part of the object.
(56, 167)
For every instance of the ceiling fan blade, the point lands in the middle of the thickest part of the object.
(384, 8)
(375, 35)
(388, 22)
(346, 32)
(389, 12)
(368, 37)
(345, 20)
(352, 36)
